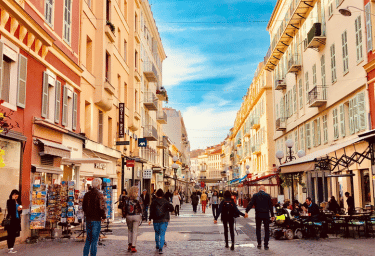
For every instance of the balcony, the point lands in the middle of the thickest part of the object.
(161, 93)
(255, 124)
(110, 31)
(280, 124)
(317, 96)
(280, 84)
(315, 37)
(239, 143)
(150, 71)
(150, 133)
(150, 101)
(162, 143)
(161, 117)
(294, 64)
(256, 149)
(137, 36)
(108, 87)
(137, 76)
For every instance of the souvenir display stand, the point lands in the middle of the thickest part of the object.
(107, 192)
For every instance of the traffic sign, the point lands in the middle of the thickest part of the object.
(130, 163)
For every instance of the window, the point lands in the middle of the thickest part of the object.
(108, 10)
(325, 129)
(357, 113)
(6, 79)
(368, 26)
(323, 73)
(108, 67)
(318, 133)
(57, 101)
(335, 124)
(358, 38)
(67, 20)
(313, 132)
(89, 55)
(345, 58)
(302, 138)
(308, 134)
(119, 39)
(296, 140)
(125, 51)
(330, 9)
(287, 104)
(307, 86)
(300, 89)
(314, 75)
(125, 10)
(333, 63)
(136, 59)
(295, 99)
(48, 12)
(110, 133)
(87, 122)
(100, 127)
(342, 120)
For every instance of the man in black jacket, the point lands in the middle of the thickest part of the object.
(146, 202)
(263, 208)
(350, 202)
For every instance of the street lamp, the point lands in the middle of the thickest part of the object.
(175, 167)
(346, 12)
(280, 155)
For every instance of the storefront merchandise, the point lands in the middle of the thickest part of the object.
(54, 203)
(108, 196)
(38, 206)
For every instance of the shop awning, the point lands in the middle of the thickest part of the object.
(242, 179)
(307, 163)
(54, 149)
(263, 178)
(85, 161)
(46, 169)
(233, 181)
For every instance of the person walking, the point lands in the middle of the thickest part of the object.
(168, 195)
(228, 210)
(176, 203)
(263, 208)
(204, 201)
(93, 206)
(350, 202)
(14, 208)
(133, 213)
(121, 203)
(146, 203)
(209, 196)
(214, 203)
(159, 213)
(194, 201)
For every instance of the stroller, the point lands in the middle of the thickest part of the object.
(286, 227)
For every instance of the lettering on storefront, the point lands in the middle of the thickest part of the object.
(121, 120)
(100, 166)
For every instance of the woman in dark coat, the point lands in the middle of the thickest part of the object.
(194, 201)
(14, 210)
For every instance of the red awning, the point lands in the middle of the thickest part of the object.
(266, 177)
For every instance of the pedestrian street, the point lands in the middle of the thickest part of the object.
(195, 234)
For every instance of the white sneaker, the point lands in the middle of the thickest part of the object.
(11, 251)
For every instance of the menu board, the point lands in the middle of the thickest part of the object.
(108, 196)
(38, 206)
(54, 203)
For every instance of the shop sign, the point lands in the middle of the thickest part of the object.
(142, 142)
(147, 174)
(100, 166)
(130, 163)
(121, 120)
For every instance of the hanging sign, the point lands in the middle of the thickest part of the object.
(121, 120)
(142, 142)
(130, 163)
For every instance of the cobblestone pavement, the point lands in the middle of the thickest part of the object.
(195, 234)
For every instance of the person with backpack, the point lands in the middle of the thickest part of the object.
(263, 208)
(133, 212)
(159, 213)
(229, 211)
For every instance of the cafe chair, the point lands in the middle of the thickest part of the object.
(358, 223)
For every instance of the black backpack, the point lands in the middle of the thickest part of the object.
(229, 210)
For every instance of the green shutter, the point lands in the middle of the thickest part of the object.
(308, 134)
(65, 106)
(75, 106)
(351, 117)
(361, 111)
(342, 120)
(313, 133)
(57, 101)
(318, 132)
(368, 27)
(45, 95)
(22, 77)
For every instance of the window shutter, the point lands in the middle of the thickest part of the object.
(287, 104)
(345, 60)
(335, 124)
(300, 94)
(290, 103)
(313, 134)
(318, 132)
(295, 99)
(296, 140)
(308, 140)
(282, 108)
(67, 20)
(342, 120)
(22, 77)
(1, 66)
(361, 111)
(45, 96)
(65, 106)
(351, 117)
(314, 75)
(368, 27)
(57, 101)
(355, 115)
(325, 129)
(333, 63)
(307, 86)
(323, 73)
(75, 106)
(358, 38)
(301, 134)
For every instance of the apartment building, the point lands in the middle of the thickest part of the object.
(320, 99)
(252, 134)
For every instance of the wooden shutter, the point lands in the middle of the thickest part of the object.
(65, 106)
(361, 111)
(296, 140)
(295, 98)
(75, 106)
(302, 138)
(45, 95)
(22, 77)
(351, 117)
(358, 38)
(368, 26)
(355, 115)
(342, 120)
(345, 60)
(300, 93)
(57, 101)
(1, 66)
(308, 134)
(318, 132)
(335, 124)
(325, 129)
(333, 63)
(307, 86)
(313, 134)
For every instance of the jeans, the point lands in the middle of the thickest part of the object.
(215, 207)
(177, 210)
(145, 212)
(266, 223)
(231, 229)
(133, 223)
(160, 229)
(93, 230)
(195, 208)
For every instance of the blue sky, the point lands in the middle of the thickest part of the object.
(213, 48)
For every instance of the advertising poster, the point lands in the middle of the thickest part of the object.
(38, 206)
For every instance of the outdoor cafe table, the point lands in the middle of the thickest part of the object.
(347, 218)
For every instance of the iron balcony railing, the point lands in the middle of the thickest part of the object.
(150, 133)
(150, 71)
(316, 30)
(161, 117)
(150, 100)
(294, 63)
(317, 96)
(280, 124)
(280, 84)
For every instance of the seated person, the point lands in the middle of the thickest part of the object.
(297, 209)
(332, 205)
(312, 209)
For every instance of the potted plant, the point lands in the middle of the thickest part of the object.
(111, 26)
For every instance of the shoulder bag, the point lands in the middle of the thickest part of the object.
(6, 221)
